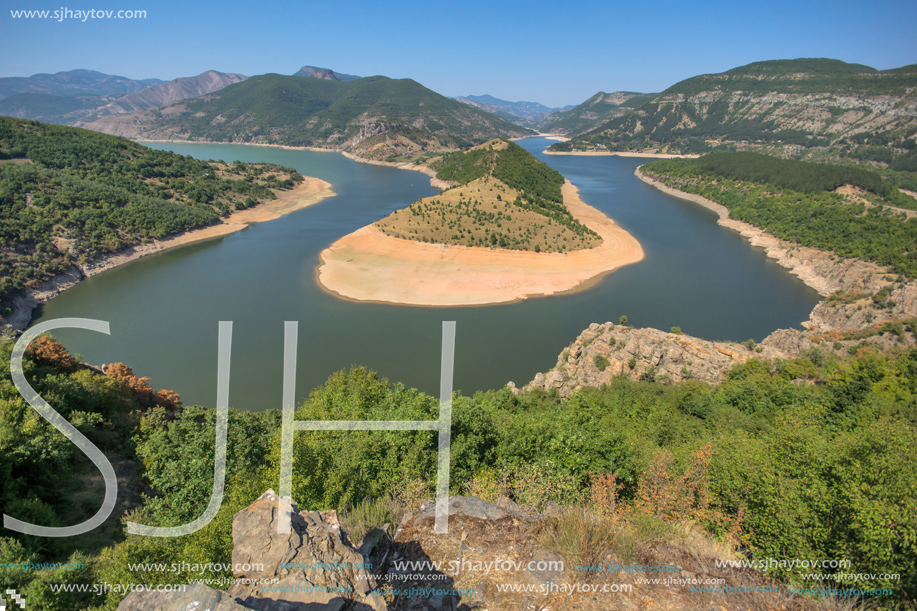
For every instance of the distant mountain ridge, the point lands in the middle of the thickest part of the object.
(81, 109)
(525, 113)
(180, 89)
(73, 82)
(325, 73)
(375, 117)
(820, 107)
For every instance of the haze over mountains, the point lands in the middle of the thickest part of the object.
(80, 96)
(528, 114)
(596, 110)
(73, 82)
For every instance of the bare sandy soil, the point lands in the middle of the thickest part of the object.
(368, 265)
(620, 154)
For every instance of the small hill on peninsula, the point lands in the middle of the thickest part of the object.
(504, 198)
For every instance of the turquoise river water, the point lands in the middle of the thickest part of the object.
(164, 309)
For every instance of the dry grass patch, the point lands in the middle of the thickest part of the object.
(481, 213)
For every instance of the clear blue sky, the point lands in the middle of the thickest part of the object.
(541, 51)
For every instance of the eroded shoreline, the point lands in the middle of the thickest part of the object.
(822, 271)
(621, 154)
(311, 191)
(797, 259)
(369, 266)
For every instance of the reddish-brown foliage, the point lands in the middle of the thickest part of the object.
(47, 351)
(142, 390)
(167, 398)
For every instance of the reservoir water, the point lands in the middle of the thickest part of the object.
(164, 309)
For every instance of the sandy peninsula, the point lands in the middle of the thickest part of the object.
(368, 265)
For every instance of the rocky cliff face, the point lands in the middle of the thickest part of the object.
(605, 351)
(784, 106)
(325, 74)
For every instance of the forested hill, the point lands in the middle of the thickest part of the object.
(505, 198)
(850, 211)
(812, 107)
(375, 117)
(70, 195)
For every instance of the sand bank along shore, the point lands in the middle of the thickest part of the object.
(310, 191)
(816, 268)
(621, 154)
(368, 265)
(275, 146)
(436, 183)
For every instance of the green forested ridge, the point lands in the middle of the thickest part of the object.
(793, 200)
(69, 194)
(815, 75)
(803, 176)
(817, 470)
(298, 111)
(820, 108)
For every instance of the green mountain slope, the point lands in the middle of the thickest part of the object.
(807, 107)
(374, 117)
(70, 195)
(597, 110)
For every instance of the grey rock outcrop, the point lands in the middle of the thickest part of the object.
(605, 351)
(198, 597)
(311, 568)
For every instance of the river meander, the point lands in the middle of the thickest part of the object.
(164, 309)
